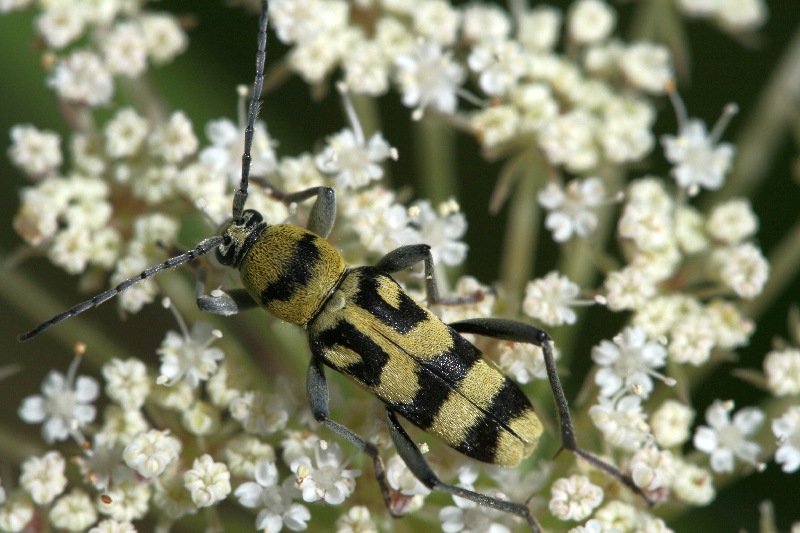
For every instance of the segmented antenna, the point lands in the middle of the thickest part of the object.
(240, 197)
(206, 245)
(201, 249)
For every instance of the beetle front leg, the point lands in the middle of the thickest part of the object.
(512, 330)
(225, 303)
(413, 458)
(323, 212)
(317, 387)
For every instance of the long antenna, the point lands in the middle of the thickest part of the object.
(240, 197)
(206, 245)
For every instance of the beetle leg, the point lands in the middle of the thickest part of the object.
(512, 330)
(317, 387)
(408, 256)
(323, 212)
(225, 303)
(412, 457)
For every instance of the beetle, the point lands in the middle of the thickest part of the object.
(360, 322)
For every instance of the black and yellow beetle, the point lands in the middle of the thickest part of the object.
(360, 322)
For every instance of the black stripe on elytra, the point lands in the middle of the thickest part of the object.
(480, 441)
(454, 364)
(296, 272)
(344, 334)
(401, 319)
(433, 391)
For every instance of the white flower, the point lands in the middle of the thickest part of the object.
(741, 15)
(538, 29)
(401, 479)
(429, 77)
(64, 406)
(82, 77)
(352, 160)
(113, 526)
(629, 288)
(16, 512)
(207, 481)
(782, 368)
(440, 229)
(366, 69)
(619, 516)
(259, 413)
(189, 356)
(61, 23)
(621, 421)
(37, 152)
(201, 418)
(485, 22)
(495, 125)
(647, 66)
(671, 422)
(314, 58)
(522, 361)
(43, 477)
(244, 452)
(74, 512)
(698, 159)
(549, 299)
(468, 517)
(652, 469)
(574, 498)
(594, 526)
(732, 222)
(693, 484)
(125, 133)
(629, 362)
(357, 520)
(150, 453)
(125, 49)
(691, 340)
(172, 498)
(436, 20)
(590, 21)
(273, 500)
(743, 268)
(127, 382)
(499, 64)
(163, 36)
(724, 439)
(225, 153)
(787, 432)
(129, 500)
(569, 140)
(326, 477)
(120, 425)
(174, 140)
(571, 209)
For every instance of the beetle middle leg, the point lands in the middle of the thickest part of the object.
(407, 256)
(317, 386)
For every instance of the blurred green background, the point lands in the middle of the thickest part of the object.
(202, 82)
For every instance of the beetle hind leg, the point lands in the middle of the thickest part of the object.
(413, 458)
(512, 330)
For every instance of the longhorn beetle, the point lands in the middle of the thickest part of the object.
(360, 322)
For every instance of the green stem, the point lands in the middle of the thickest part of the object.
(434, 143)
(522, 233)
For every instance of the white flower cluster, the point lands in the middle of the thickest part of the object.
(542, 87)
